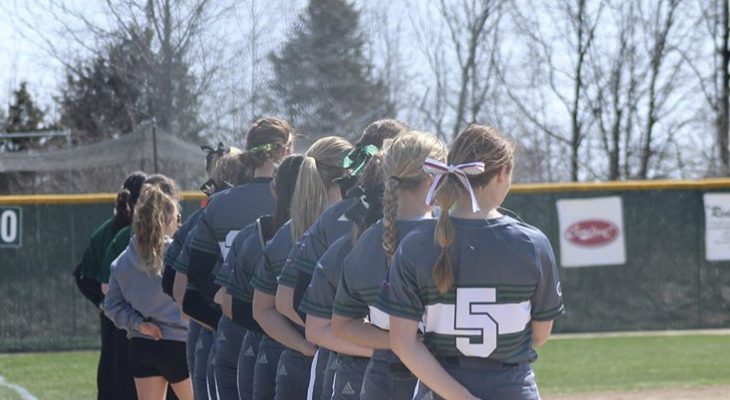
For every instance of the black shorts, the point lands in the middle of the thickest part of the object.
(165, 358)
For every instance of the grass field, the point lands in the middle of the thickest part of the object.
(575, 365)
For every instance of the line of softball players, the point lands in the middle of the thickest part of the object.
(382, 269)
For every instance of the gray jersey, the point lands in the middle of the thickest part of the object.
(249, 255)
(229, 211)
(330, 226)
(275, 255)
(320, 295)
(225, 271)
(504, 277)
(178, 240)
(364, 271)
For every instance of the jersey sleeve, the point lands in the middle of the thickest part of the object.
(348, 302)
(289, 273)
(238, 285)
(311, 246)
(182, 260)
(319, 297)
(547, 301)
(204, 238)
(399, 292)
(264, 280)
(223, 275)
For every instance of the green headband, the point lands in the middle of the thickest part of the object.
(358, 158)
(262, 148)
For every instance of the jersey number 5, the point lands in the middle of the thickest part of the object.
(472, 319)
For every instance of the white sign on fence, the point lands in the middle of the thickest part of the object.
(717, 226)
(591, 232)
(10, 226)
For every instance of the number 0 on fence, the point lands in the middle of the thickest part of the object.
(10, 226)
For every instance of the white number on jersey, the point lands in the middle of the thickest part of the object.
(476, 314)
(226, 245)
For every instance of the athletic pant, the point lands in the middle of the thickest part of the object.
(202, 353)
(292, 375)
(105, 370)
(333, 360)
(318, 375)
(190, 343)
(488, 382)
(247, 364)
(124, 388)
(228, 346)
(264, 376)
(348, 377)
(387, 378)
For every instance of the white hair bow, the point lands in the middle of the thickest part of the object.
(462, 171)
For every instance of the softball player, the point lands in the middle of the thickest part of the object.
(85, 273)
(484, 285)
(239, 286)
(367, 265)
(135, 301)
(268, 141)
(314, 190)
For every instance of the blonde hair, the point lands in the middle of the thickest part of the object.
(322, 164)
(475, 143)
(154, 211)
(229, 171)
(402, 163)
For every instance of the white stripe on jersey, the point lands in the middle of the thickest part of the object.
(470, 305)
(225, 246)
(379, 318)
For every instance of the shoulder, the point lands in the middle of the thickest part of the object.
(337, 210)
(103, 230)
(531, 236)
(420, 238)
(126, 260)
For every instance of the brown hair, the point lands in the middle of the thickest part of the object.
(165, 184)
(475, 143)
(154, 211)
(285, 182)
(403, 159)
(229, 171)
(322, 164)
(267, 139)
(376, 133)
(127, 199)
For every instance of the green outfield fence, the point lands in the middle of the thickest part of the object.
(665, 284)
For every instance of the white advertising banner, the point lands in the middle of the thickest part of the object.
(591, 232)
(717, 226)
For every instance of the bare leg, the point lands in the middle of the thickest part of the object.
(152, 388)
(183, 389)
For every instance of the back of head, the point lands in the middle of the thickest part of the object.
(267, 139)
(127, 198)
(402, 165)
(475, 143)
(166, 184)
(228, 170)
(322, 164)
(377, 132)
(154, 211)
(284, 184)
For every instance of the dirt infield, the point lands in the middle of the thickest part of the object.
(703, 393)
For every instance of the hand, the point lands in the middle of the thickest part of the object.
(151, 330)
(307, 348)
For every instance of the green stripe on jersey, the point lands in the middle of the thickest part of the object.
(318, 310)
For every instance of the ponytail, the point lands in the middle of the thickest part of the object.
(444, 234)
(390, 209)
(123, 209)
(152, 214)
(310, 197)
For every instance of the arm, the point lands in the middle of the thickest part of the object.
(178, 288)
(118, 310)
(285, 304)
(319, 332)
(359, 332)
(224, 300)
(416, 356)
(541, 332)
(276, 325)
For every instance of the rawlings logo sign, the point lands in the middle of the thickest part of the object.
(591, 233)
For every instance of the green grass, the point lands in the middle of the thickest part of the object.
(564, 366)
(51, 376)
(631, 363)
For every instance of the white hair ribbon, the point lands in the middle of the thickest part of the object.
(462, 171)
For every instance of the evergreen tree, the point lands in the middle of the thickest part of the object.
(23, 116)
(322, 76)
